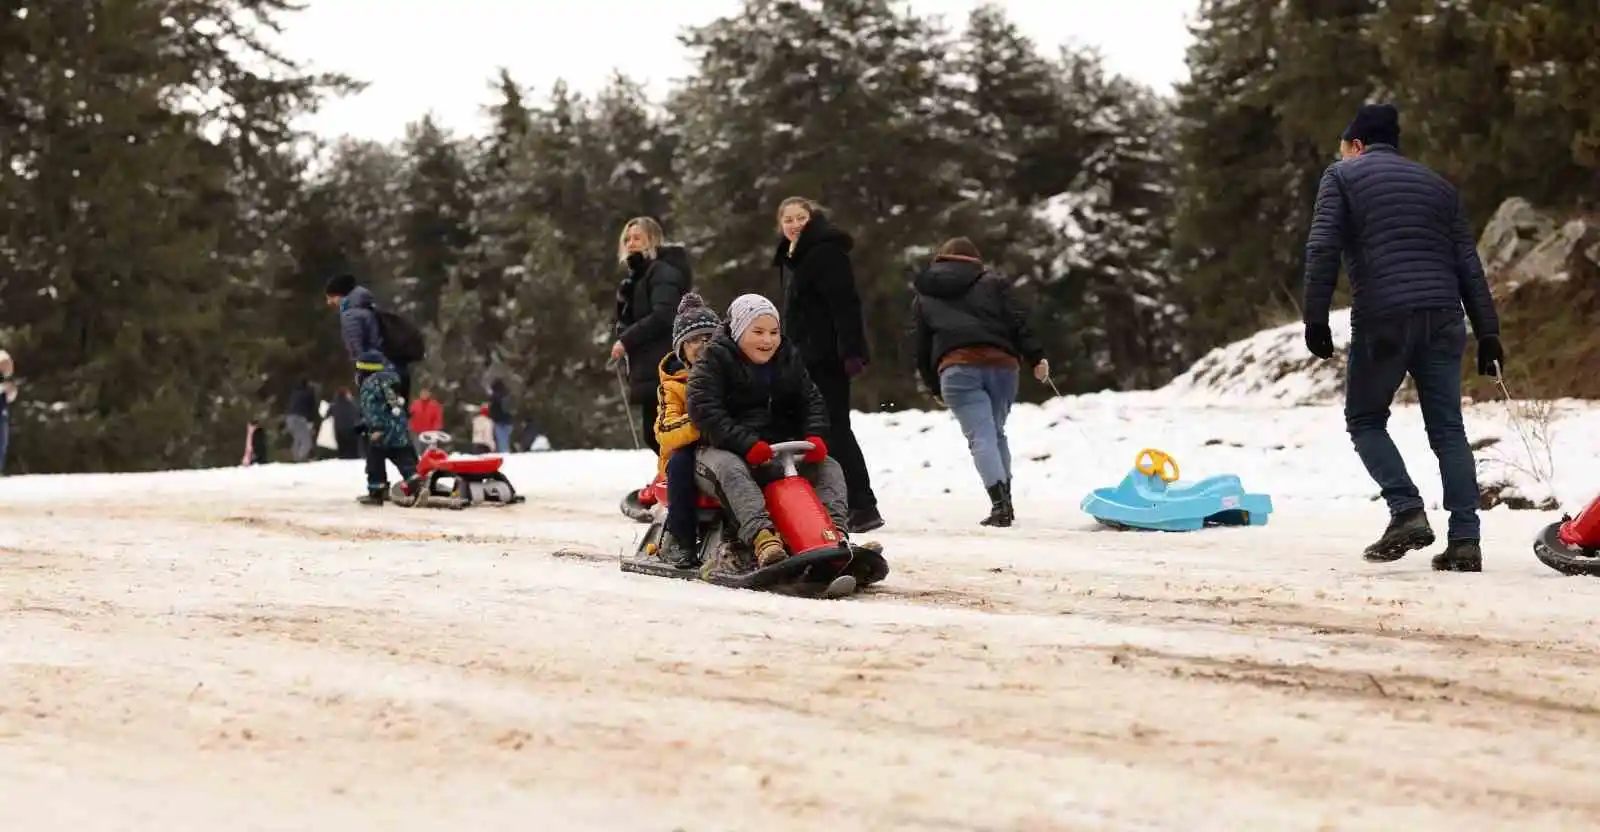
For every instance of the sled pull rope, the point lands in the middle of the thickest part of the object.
(1522, 433)
(627, 408)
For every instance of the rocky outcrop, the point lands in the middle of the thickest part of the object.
(1521, 245)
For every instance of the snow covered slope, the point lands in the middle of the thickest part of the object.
(1272, 366)
(249, 649)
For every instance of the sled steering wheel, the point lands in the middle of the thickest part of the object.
(1159, 462)
(785, 454)
(433, 437)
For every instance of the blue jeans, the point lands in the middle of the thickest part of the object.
(1428, 345)
(683, 495)
(502, 437)
(981, 398)
(5, 436)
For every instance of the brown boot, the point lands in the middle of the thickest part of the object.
(769, 549)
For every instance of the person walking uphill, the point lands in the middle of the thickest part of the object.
(971, 338)
(822, 317)
(1413, 264)
(647, 301)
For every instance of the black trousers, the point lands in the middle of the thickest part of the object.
(647, 406)
(834, 384)
(403, 457)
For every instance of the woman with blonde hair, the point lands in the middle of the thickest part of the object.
(647, 301)
(822, 318)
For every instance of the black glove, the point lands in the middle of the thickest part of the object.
(1319, 339)
(1490, 354)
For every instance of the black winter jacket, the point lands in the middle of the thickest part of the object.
(960, 303)
(736, 403)
(1406, 243)
(821, 309)
(647, 301)
(303, 403)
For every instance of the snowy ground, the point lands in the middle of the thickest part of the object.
(249, 649)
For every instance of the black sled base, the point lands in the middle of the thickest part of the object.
(1567, 560)
(825, 574)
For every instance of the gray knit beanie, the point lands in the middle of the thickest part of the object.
(744, 310)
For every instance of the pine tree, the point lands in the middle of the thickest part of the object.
(125, 241)
(435, 217)
(844, 102)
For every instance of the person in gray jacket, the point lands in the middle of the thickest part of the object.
(1413, 264)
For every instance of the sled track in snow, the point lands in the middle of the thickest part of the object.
(325, 665)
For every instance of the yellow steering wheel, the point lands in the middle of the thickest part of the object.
(1159, 462)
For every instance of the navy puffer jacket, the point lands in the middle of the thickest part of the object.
(358, 322)
(1405, 239)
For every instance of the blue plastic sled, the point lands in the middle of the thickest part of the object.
(1149, 498)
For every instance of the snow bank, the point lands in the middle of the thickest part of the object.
(1272, 365)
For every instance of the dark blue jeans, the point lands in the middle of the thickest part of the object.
(682, 496)
(5, 436)
(1429, 346)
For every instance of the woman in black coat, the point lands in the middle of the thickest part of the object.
(647, 301)
(972, 339)
(822, 317)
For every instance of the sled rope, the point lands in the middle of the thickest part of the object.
(627, 408)
(1522, 433)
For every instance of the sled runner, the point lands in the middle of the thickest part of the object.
(455, 482)
(822, 563)
(1571, 546)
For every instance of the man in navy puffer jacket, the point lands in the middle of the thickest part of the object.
(358, 325)
(1413, 264)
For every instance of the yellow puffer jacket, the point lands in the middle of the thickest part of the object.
(673, 428)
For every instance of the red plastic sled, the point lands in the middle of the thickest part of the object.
(445, 481)
(1572, 545)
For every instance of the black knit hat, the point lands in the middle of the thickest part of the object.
(1374, 124)
(340, 285)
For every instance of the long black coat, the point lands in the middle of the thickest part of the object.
(821, 308)
(647, 301)
(737, 403)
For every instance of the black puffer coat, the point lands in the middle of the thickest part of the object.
(821, 309)
(960, 303)
(1405, 238)
(736, 403)
(647, 301)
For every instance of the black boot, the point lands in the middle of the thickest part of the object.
(374, 496)
(1462, 555)
(1000, 511)
(1407, 530)
(677, 553)
(863, 520)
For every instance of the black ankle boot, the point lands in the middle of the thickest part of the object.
(1000, 511)
(1407, 530)
(1464, 555)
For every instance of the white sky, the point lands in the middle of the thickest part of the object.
(440, 55)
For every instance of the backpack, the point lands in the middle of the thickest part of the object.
(402, 341)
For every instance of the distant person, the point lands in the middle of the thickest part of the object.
(971, 340)
(822, 319)
(346, 416)
(301, 421)
(255, 444)
(482, 431)
(1413, 263)
(647, 302)
(426, 413)
(8, 394)
(500, 415)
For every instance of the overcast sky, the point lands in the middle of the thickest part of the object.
(439, 55)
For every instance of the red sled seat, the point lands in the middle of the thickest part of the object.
(656, 492)
(436, 460)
